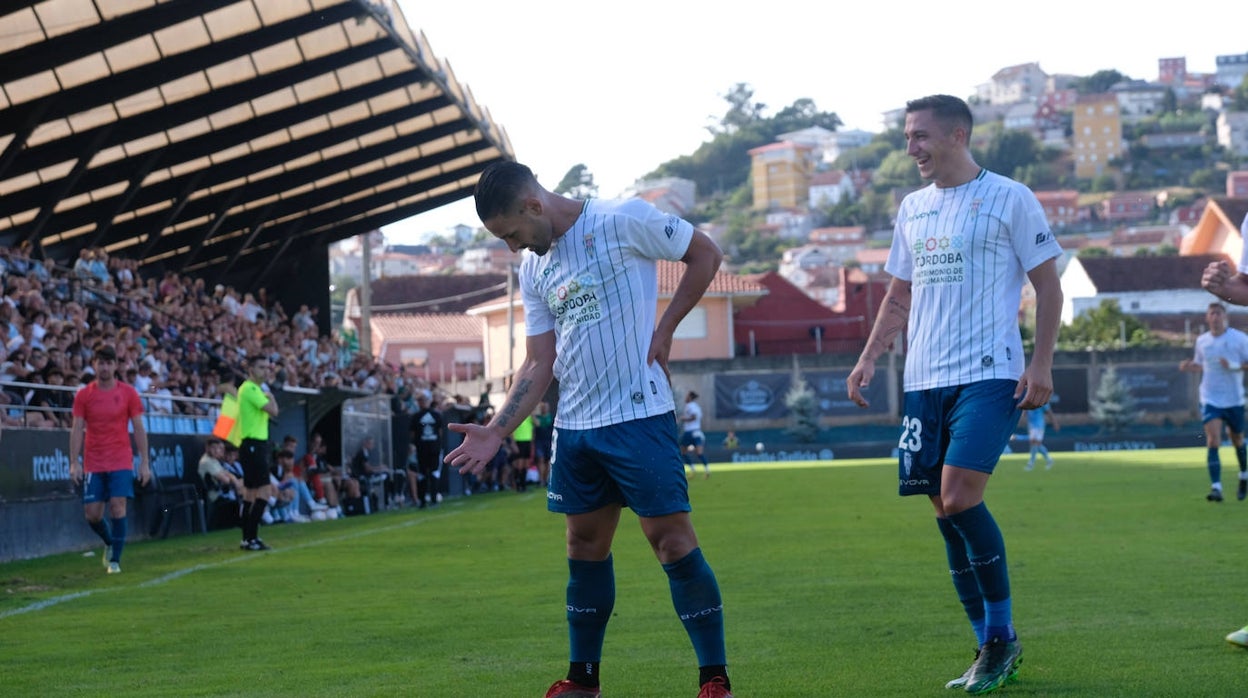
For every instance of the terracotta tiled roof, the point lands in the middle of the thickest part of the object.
(827, 178)
(429, 327)
(724, 283)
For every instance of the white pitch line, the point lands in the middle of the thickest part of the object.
(176, 574)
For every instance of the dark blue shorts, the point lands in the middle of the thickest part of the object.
(101, 487)
(966, 426)
(1232, 417)
(635, 463)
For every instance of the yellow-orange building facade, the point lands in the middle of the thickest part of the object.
(781, 174)
(1097, 134)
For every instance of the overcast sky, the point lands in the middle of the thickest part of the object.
(623, 87)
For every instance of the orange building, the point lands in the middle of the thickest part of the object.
(781, 174)
(1097, 134)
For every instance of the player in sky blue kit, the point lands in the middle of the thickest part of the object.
(962, 249)
(590, 288)
(1036, 420)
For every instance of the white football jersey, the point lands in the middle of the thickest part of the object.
(693, 410)
(1221, 386)
(965, 251)
(597, 290)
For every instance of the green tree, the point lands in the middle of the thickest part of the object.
(803, 407)
(897, 172)
(578, 183)
(1113, 406)
(1092, 252)
(1104, 327)
(1010, 152)
(1239, 96)
(1098, 82)
(1208, 179)
(803, 113)
(742, 112)
(339, 286)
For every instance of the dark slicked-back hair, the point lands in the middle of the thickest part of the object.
(948, 109)
(500, 185)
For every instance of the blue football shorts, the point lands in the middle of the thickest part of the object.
(635, 463)
(965, 426)
(100, 487)
(692, 438)
(1232, 417)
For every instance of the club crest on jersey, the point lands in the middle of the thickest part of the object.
(975, 204)
(638, 398)
(589, 244)
(986, 362)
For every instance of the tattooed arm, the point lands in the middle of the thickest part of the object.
(893, 315)
(528, 386)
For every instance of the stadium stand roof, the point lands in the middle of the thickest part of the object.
(217, 137)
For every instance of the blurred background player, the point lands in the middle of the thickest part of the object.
(1035, 434)
(1220, 357)
(692, 440)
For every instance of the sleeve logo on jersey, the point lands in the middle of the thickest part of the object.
(670, 228)
(1044, 237)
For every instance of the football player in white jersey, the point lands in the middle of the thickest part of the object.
(962, 249)
(590, 289)
(1220, 279)
(1220, 356)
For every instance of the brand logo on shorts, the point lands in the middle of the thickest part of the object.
(915, 483)
(554, 497)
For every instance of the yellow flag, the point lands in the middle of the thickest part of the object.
(227, 426)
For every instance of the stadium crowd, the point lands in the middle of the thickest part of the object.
(176, 338)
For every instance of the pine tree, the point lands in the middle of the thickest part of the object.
(803, 407)
(1114, 407)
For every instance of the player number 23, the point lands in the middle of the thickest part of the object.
(911, 434)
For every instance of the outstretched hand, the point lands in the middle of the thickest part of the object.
(480, 445)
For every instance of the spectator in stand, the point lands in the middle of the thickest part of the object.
(284, 502)
(373, 476)
(296, 475)
(82, 266)
(161, 401)
(55, 404)
(331, 478)
(427, 432)
(223, 487)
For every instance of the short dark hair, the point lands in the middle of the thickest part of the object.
(948, 109)
(285, 453)
(499, 186)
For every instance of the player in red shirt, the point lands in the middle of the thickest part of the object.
(101, 410)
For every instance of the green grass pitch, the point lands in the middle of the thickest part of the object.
(1125, 581)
